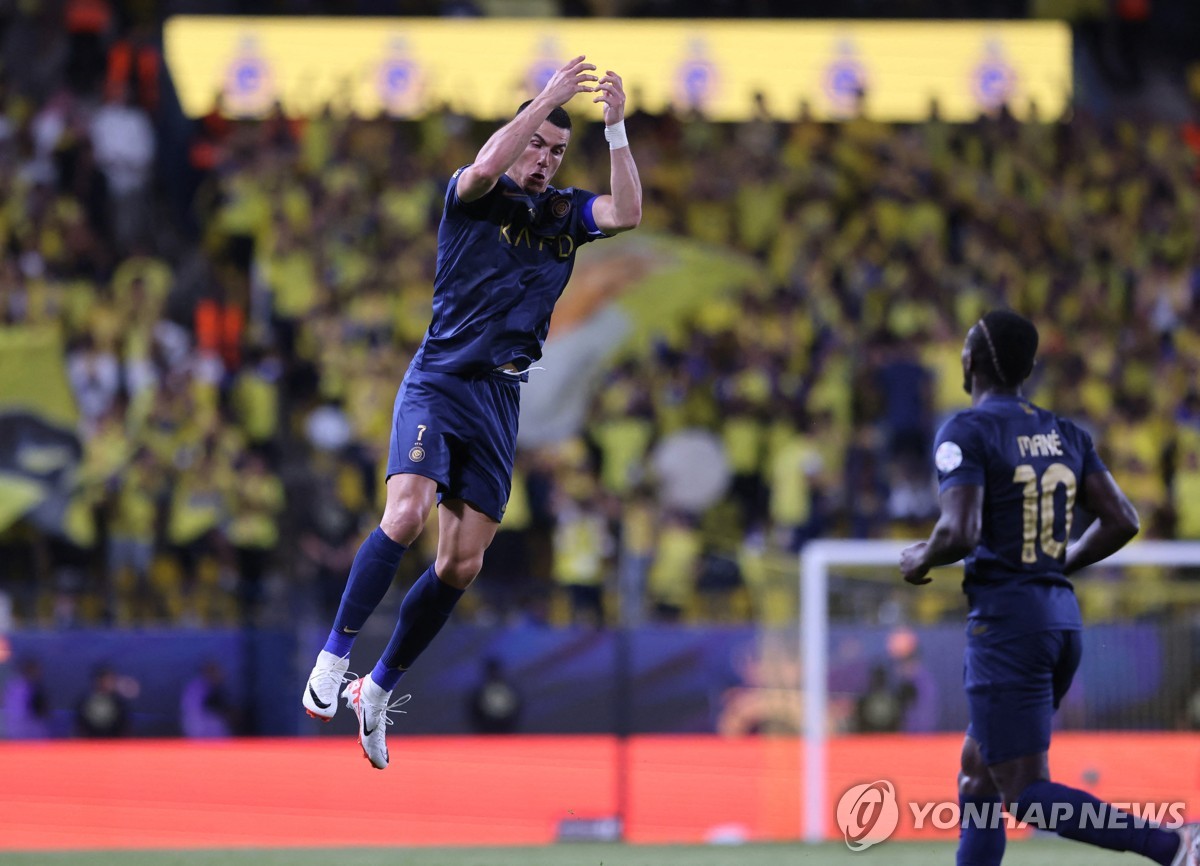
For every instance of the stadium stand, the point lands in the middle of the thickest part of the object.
(232, 337)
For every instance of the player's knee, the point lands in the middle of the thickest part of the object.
(973, 784)
(403, 521)
(459, 569)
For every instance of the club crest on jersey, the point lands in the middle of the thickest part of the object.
(560, 207)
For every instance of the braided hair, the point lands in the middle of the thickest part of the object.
(1005, 343)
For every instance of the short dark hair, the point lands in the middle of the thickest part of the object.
(558, 116)
(1005, 342)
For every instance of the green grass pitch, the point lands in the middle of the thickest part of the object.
(1055, 852)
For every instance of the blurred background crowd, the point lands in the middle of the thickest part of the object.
(238, 300)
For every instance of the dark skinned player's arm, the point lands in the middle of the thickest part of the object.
(954, 536)
(1115, 525)
(957, 530)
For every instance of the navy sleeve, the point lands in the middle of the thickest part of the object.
(452, 199)
(587, 228)
(454, 203)
(959, 454)
(1091, 459)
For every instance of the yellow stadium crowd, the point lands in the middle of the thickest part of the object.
(234, 390)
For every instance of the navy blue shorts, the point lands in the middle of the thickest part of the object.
(1014, 683)
(459, 430)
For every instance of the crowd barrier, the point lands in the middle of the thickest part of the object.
(653, 679)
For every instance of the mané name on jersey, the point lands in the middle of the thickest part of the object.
(503, 261)
(1030, 464)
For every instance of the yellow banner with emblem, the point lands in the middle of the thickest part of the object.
(407, 67)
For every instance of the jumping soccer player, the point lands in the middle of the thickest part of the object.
(506, 247)
(1010, 475)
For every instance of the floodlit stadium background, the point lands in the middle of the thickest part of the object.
(215, 261)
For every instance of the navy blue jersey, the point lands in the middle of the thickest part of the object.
(503, 260)
(1030, 464)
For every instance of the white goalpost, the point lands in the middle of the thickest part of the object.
(816, 560)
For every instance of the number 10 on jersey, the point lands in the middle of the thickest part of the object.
(1040, 492)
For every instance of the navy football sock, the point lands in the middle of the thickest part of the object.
(1075, 814)
(981, 836)
(423, 612)
(370, 577)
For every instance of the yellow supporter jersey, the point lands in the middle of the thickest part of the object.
(351, 266)
(316, 142)
(247, 208)
(256, 505)
(78, 298)
(412, 314)
(623, 443)
(518, 514)
(759, 211)
(407, 209)
(104, 454)
(579, 549)
(790, 473)
(744, 437)
(198, 505)
(1136, 453)
(925, 220)
(135, 511)
(1096, 395)
(256, 403)
(296, 207)
(106, 325)
(155, 275)
(1186, 496)
(292, 278)
(369, 399)
(708, 221)
(944, 358)
(672, 577)
(639, 526)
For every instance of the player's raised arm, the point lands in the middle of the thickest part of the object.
(622, 209)
(508, 142)
(1115, 525)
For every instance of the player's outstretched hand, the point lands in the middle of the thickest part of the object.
(611, 91)
(571, 79)
(912, 564)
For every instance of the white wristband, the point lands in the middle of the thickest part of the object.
(616, 136)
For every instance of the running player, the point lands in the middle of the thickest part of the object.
(1011, 474)
(506, 247)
